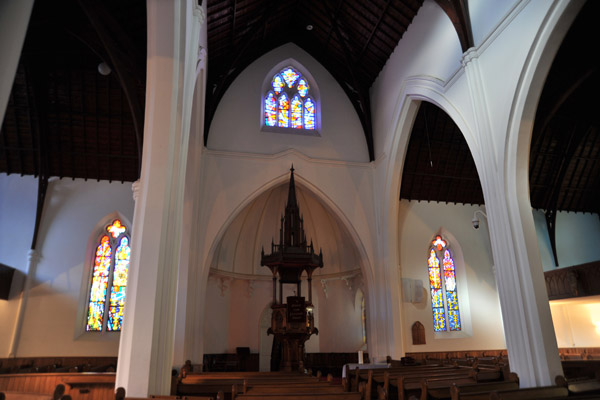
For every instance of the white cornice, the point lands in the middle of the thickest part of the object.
(284, 154)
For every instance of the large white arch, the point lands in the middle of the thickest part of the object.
(263, 183)
(415, 90)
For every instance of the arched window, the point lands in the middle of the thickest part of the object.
(109, 279)
(289, 102)
(442, 281)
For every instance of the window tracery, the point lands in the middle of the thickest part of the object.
(289, 102)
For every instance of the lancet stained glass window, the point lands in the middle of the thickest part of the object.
(288, 103)
(444, 296)
(109, 280)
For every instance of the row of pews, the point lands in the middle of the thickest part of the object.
(264, 385)
(479, 379)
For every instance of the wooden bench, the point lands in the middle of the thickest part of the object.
(558, 391)
(302, 396)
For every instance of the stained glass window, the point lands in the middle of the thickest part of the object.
(109, 280)
(288, 104)
(444, 297)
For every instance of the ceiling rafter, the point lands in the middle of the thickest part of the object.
(458, 12)
(123, 55)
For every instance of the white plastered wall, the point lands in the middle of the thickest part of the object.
(236, 125)
(418, 223)
(72, 210)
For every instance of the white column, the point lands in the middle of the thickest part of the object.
(528, 328)
(33, 259)
(147, 339)
(14, 18)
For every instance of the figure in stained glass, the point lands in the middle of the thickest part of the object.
(290, 76)
(284, 111)
(302, 87)
(296, 112)
(309, 114)
(277, 84)
(271, 110)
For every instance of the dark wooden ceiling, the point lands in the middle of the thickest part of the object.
(65, 119)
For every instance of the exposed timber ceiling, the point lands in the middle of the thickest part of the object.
(64, 119)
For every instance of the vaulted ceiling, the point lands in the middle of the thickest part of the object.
(65, 119)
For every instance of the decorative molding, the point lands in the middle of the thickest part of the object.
(286, 153)
(199, 14)
(214, 272)
(250, 289)
(224, 284)
(136, 188)
(348, 278)
(201, 59)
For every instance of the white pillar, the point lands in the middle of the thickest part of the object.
(14, 18)
(147, 339)
(528, 328)
(33, 259)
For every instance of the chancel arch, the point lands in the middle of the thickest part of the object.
(237, 282)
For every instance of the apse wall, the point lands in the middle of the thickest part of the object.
(72, 210)
(239, 289)
(479, 304)
(236, 125)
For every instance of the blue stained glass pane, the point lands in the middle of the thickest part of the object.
(439, 321)
(454, 320)
(115, 318)
(452, 300)
(437, 299)
(302, 87)
(277, 84)
(309, 114)
(270, 110)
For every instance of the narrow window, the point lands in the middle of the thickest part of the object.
(109, 280)
(444, 296)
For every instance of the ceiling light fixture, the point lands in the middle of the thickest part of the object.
(104, 69)
(309, 27)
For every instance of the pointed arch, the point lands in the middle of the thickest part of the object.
(104, 281)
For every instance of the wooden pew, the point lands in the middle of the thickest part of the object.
(439, 389)
(302, 396)
(558, 391)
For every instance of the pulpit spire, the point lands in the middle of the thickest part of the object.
(292, 323)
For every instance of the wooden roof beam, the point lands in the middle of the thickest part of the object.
(362, 102)
(458, 12)
(124, 59)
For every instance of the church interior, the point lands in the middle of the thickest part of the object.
(185, 185)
